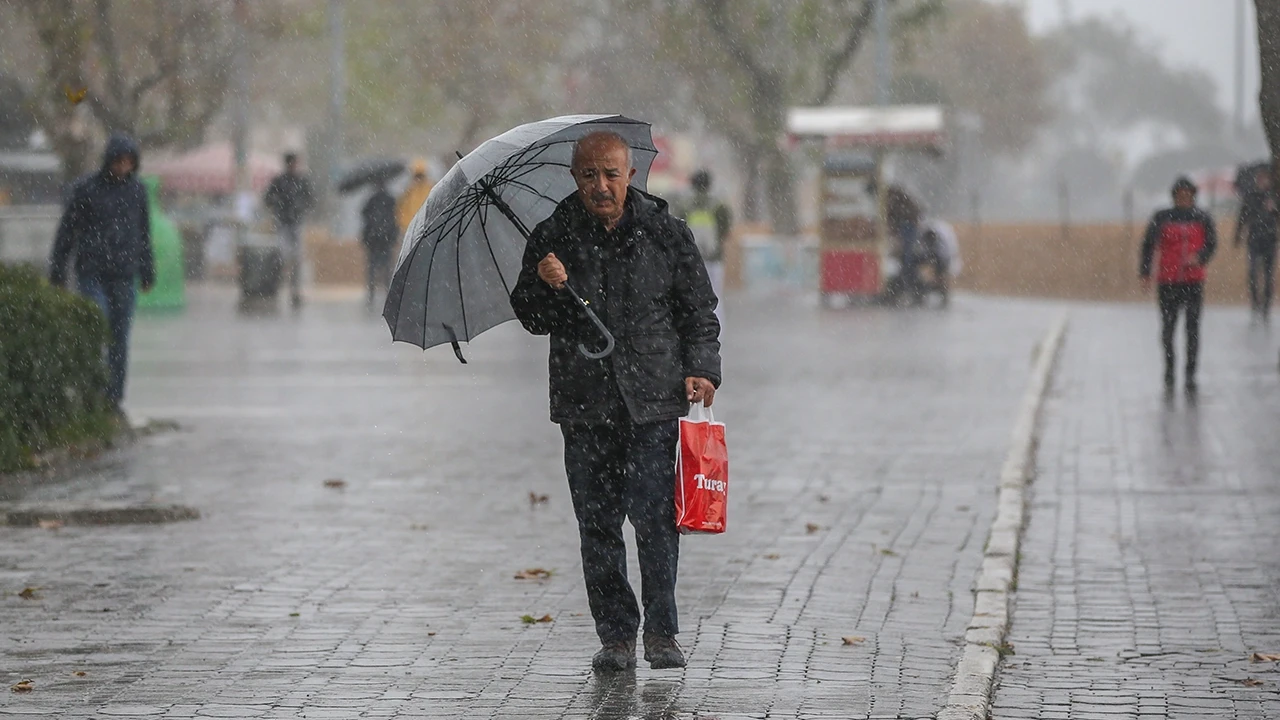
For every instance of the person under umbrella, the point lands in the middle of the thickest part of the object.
(641, 271)
(378, 234)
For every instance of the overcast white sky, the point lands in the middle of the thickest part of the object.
(1199, 33)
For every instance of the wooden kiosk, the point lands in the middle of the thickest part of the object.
(854, 240)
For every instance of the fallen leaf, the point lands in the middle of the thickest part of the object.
(529, 619)
(28, 593)
(533, 574)
(545, 619)
(824, 498)
(335, 483)
(887, 551)
(431, 634)
(1264, 657)
(50, 524)
(80, 673)
(294, 614)
(536, 499)
(1250, 682)
(853, 640)
(771, 556)
(417, 526)
(811, 528)
(23, 686)
(962, 508)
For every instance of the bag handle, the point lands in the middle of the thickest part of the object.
(701, 413)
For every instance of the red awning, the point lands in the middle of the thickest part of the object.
(209, 169)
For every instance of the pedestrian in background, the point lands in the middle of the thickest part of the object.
(1258, 222)
(414, 194)
(640, 269)
(290, 197)
(378, 233)
(107, 225)
(1185, 239)
(710, 222)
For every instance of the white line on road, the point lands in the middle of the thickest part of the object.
(970, 697)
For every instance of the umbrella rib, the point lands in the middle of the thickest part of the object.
(485, 231)
(530, 189)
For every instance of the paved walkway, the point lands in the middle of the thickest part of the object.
(866, 446)
(1151, 563)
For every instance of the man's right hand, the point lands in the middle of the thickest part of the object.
(551, 271)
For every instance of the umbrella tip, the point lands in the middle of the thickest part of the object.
(458, 153)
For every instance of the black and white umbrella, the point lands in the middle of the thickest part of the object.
(461, 254)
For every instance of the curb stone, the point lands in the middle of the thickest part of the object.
(970, 695)
(136, 515)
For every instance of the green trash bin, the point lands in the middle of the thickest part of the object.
(166, 245)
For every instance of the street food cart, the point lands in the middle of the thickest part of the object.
(855, 244)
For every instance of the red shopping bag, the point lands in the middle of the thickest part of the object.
(702, 474)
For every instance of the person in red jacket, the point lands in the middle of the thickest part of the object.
(1185, 237)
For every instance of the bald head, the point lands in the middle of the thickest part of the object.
(602, 169)
(597, 142)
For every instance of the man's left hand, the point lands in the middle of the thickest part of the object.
(699, 390)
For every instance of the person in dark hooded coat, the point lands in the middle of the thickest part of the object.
(107, 225)
(378, 233)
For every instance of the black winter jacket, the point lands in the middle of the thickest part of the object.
(289, 197)
(107, 224)
(379, 230)
(649, 284)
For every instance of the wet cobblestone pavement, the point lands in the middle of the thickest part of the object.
(1151, 563)
(865, 448)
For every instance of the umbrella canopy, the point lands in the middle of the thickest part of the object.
(370, 172)
(462, 252)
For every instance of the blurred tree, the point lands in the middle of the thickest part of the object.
(474, 67)
(155, 69)
(747, 62)
(1269, 60)
(981, 60)
(1109, 80)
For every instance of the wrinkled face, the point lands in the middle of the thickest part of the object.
(1184, 198)
(122, 166)
(601, 170)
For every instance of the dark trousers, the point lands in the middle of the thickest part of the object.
(1262, 270)
(116, 298)
(1174, 298)
(378, 270)
(626, 470)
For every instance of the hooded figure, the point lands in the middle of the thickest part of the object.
(378, 234)
(107, 226)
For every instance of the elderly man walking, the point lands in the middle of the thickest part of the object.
(639, 268)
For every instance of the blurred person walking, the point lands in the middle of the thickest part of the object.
(1185, 238)
(107, 224)
(639, 267)
(290, 197)
(378, 233)
(414, 194)
(710, 221)
(1258, 222)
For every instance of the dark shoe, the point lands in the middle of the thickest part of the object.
(615, 656)
(1191, 386)
(1168, 379)
(662, 652)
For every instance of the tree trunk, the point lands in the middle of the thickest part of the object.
(1269, 60)
(750, 158)
(781, 189)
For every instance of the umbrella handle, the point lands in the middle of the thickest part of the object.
(608, 336)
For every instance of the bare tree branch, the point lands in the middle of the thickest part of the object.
(734, 43)
(105, 34)
(839, 60)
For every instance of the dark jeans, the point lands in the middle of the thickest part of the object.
(623, 470)
(378, 270)
(1174, 297)
(117, 299)
(292, 235)
(1262, 270)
